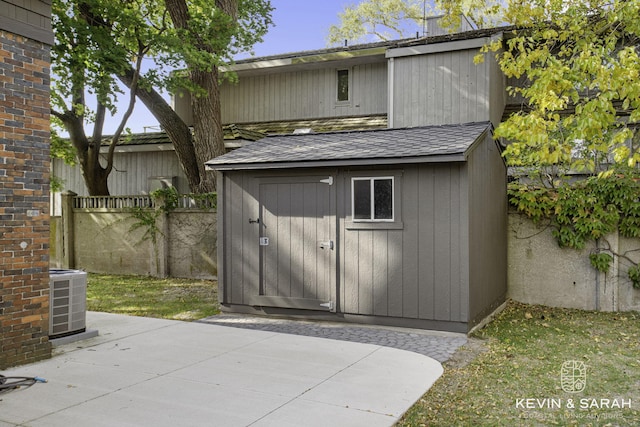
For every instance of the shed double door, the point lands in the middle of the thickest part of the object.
(297, 248)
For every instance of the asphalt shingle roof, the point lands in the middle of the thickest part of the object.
(375, 146)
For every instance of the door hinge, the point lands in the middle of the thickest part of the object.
(327, 180)
(328, 305)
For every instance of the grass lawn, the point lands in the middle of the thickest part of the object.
(178, 299)
(510, 372)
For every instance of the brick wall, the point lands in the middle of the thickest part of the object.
(24, 200)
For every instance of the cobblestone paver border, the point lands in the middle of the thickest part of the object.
(438, 345)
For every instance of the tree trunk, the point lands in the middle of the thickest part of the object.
(207, 125)
(207, 120)
(178, 132)
(94, 175)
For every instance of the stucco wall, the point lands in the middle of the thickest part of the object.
(105, 242)
(55, 245)
(540, 272)
(192, 245)
(628, 298)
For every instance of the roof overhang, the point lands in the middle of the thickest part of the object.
(310, 60)
(366, 53)
(341, 163)
(451, 46)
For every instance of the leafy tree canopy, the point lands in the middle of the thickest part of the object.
(574, 66)
(98, 40)
(383, 19)
(100, 43)
(397, 19)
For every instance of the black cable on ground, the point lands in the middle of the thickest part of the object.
(12, 383)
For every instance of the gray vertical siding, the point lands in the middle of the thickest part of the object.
(488, 229)
(498, 88)
(303, 94)
(130, 175)
(28, 18)
(239, 253)
(241, 262)
(440, 88)
(415, 272)
(443, 260)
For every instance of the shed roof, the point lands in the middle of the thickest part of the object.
(444, 143)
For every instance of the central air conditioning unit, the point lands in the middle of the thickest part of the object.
(67, 302)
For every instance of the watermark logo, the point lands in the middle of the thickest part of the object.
(573, 376)
(560, 410)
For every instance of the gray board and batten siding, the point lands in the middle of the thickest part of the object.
(27, 18)
(305, 94)
(415, 82)
(288, 243)
(440, 83)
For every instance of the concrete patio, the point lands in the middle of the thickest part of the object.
(142, 371)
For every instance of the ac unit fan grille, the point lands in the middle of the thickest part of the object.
(68, 293)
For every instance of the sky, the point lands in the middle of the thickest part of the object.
(299, 25)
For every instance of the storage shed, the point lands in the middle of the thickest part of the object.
(402, 227)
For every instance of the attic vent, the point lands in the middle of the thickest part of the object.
(302, 130)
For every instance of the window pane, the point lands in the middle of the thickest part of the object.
(361, 199)
(383, 198)
(343, 85)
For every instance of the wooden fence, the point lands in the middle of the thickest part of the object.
(184, 201)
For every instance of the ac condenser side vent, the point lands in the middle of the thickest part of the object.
(67, 305)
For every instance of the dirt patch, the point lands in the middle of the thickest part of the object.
(466, 354)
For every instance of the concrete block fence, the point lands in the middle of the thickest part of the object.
(102, 235)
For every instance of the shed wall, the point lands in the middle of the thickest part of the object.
(415, 270)
(418, 271)
(487, 250)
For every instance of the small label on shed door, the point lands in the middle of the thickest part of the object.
(264, 241)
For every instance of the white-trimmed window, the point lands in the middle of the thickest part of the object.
(372, 199)
(343, 81)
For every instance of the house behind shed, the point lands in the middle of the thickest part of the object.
(402, 227)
